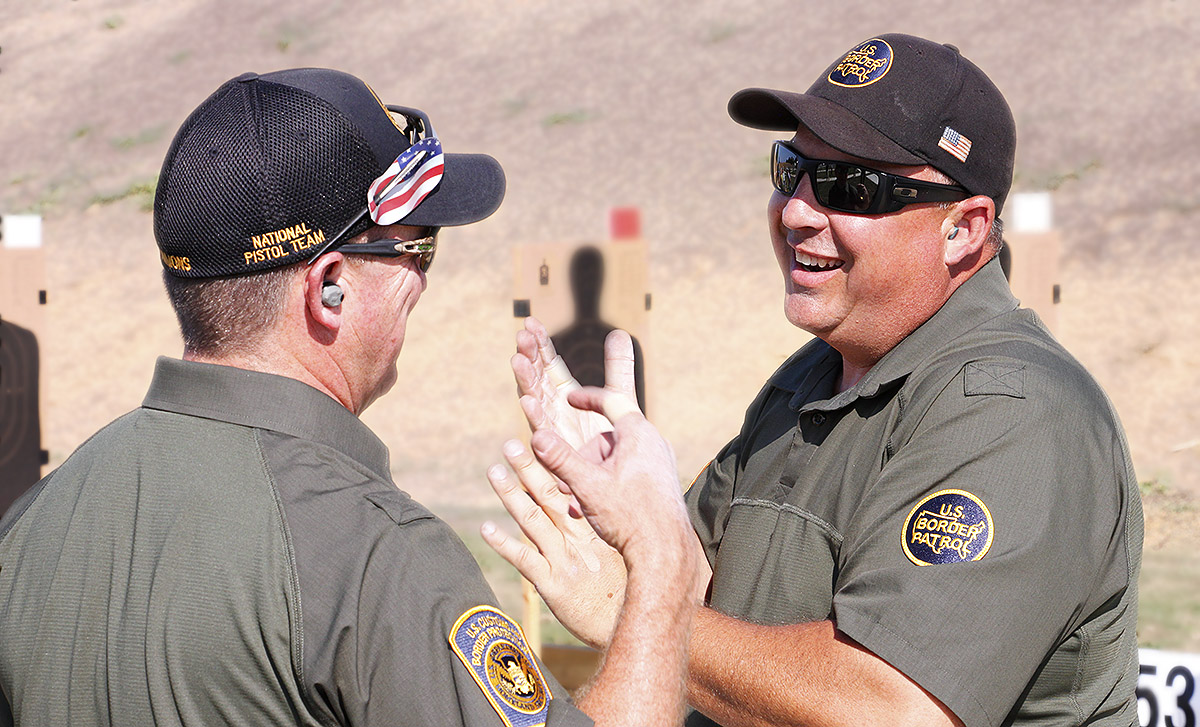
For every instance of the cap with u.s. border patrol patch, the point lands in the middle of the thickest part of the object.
(904, 100)
(949, 526)
(493, 648)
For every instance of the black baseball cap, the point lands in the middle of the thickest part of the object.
(268, 169)
(905, 100)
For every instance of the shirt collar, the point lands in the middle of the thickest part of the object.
(984, 296)
(265, 401)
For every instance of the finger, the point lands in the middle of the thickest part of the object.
(613, 405)
(534, 413)
(527, 345)
(527, 514)
(560, 376)
(561, 459)
(528, 561)
(539, 483)
(618, 364)
(525, 373)
(545, 346)
(535, 346)
(543, 488)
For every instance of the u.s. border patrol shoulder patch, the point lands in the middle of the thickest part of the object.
(493, 648)
(950, 526)
(865, 64)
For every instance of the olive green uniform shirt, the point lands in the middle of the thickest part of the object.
(967, 511)
(235, 552)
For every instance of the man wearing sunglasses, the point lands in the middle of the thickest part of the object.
(235, 551)
(929, 515)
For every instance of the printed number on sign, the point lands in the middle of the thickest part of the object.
(1166, 691)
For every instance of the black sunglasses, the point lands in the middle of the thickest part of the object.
(424, 248)
(853, 188)
(416, 127)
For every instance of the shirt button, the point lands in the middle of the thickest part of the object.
(818, 418)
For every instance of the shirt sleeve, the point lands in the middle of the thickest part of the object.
(419, 639)
(994, 529)
(708, 498)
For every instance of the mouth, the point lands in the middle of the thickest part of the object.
(814, 264)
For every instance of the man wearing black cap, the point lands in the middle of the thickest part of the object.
(235, 551)
(929, 515)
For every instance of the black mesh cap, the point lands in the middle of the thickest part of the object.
(901, 99)
(269, 168)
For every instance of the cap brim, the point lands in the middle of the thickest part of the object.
(472, 188)
(764, 108)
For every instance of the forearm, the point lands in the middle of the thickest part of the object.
(741, 673)
(647, 655)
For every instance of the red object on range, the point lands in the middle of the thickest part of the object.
(625, 223)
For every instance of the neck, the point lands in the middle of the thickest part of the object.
(326, 379)
(851, 375)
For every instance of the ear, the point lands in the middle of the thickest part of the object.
(966, 230)
(326, 269)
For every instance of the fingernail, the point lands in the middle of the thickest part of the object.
(513, 448)
(487, 528)
(495, 472)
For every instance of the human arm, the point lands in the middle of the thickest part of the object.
(988, 632)
(740, 673)
(631, 500)
(579, 576)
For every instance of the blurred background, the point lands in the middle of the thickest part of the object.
(591, 106)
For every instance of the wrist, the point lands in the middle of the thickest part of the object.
(668, 557)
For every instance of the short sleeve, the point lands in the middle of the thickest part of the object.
(708, 498)
(408, 626)
(382, 598)
(995, 528)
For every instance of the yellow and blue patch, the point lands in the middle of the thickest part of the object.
(493, 648)
(865, 64)
(950, 526)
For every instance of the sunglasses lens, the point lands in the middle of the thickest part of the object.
(845, 187)
(425, 259)
(785, 169)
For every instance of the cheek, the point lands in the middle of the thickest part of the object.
(775, 204)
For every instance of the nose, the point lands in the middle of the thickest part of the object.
(801, 210)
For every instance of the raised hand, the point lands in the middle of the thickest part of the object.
(544, 383)
(576, 573)
(632, 496)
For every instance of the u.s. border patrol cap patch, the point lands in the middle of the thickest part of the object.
(950, 526)
(865, 64)
(493, 648)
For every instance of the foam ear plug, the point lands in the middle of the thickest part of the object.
(331, 295)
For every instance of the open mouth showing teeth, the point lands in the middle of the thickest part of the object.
(816, 265)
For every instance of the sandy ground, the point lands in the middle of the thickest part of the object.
(591, 105)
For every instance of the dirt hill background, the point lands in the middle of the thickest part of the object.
(591, 105)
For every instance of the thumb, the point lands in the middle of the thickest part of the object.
(561, 459)
(611, 404)
(619, 364)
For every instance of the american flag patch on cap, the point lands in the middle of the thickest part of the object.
(955, 143)
(408, 181)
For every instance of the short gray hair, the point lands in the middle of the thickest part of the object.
(219, 316)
